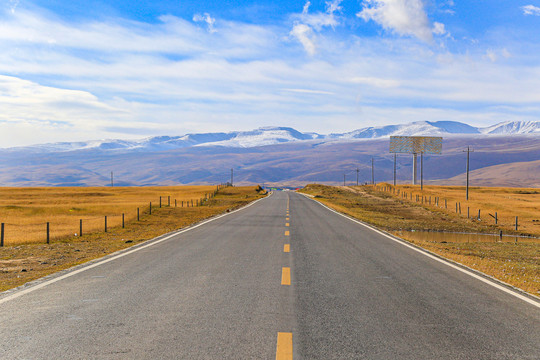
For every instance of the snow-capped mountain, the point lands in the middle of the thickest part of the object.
(513, 127)
(276, 135)
(419, 128)
(263, 136)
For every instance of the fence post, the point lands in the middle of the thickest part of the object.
(2, 235)
(80, 227)
(495, 218)
(174, 202)
(478, 214)
(138, 214)
(169, 201)
(105, 223)
(150, 208)
(122, 220)
(516, 223)
(468, 212)
(48, 234)
(160, 201)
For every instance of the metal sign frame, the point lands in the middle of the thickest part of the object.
(416, 144)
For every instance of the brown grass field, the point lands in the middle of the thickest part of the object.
(25, 211)
(25, 257)
(516, 263)
(507, 202)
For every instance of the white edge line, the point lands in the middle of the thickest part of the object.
(464, 269)
(152, 242)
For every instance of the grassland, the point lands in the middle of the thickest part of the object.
(25, 211)
(26, 261)
(506, 202)
(515, 263)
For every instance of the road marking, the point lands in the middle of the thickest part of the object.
(122, 253)
(287, 233)
(286, 224)
(287, 248)
(286, 276)
(464, 269)
(287, 219)
(284, 346)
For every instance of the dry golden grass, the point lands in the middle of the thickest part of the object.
(25, 211)
(22, 263)
(507, 202)
(517, 263)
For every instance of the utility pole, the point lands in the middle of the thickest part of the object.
(421, 170)
(357, 172)
(232, 177)
(395, 158)
(414, 171)
(372, 172)
(468, 151)
(112, 181)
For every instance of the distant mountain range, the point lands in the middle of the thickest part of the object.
(506, 154)
(276, 135)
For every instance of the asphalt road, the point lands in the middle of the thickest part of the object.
(219, 291)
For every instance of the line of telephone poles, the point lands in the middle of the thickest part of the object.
(468, 151)
(358, 174)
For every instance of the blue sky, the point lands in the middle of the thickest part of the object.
(80, 70)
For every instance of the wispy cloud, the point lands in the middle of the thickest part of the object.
(309, 91)
(206, 18)
(13, 5)
(67, 80)
(307, 24)
(404, 17)
(306, 36)
(377, 82)
(531, 10)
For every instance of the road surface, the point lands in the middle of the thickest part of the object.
(284, 278)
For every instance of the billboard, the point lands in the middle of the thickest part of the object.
(416, 144)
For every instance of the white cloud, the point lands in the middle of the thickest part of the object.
(309, 91)
(307, 24)
(439, 29)
(531, 10)
(306, 36)
(13, 5)
(377, 82)
(210, 21)
(405, 17)
(491, 55)
(116, 78)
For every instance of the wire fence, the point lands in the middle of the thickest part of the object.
(508, 221)
(67, 226)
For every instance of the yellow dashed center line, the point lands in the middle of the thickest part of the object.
(287, 248)
(286, 224)
(287, 219)
(286, 276)
(284, 346)
(287, 233)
